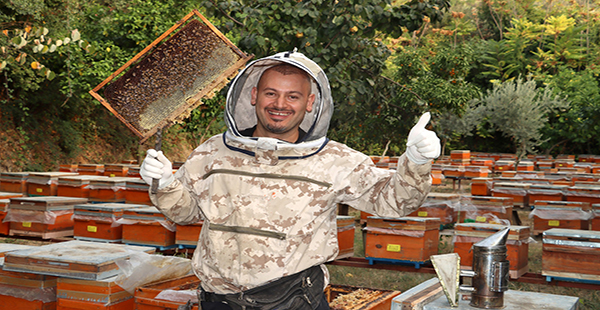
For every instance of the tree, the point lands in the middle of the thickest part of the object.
(519, 109)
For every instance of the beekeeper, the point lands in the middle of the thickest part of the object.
(268, 188)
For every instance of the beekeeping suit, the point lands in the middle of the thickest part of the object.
(269, 206)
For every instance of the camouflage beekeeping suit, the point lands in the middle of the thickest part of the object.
(269, 207)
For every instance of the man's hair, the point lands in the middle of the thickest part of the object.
(287, 69)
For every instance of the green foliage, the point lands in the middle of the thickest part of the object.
(519, 110)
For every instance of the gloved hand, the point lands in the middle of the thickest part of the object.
(157, 166)
(423, 145)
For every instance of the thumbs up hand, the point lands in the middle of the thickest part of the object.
(423, 145)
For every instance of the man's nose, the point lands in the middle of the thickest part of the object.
(280, 102)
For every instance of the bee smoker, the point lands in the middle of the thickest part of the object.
(490, 271)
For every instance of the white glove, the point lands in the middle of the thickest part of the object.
(157, 166)
(423, 145)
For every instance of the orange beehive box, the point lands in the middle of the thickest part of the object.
(44, 183)
(545, 164)
(90, 169)
(133, 172)
(453, 171)
(92, 294)
(439, 205)
(404, 239)
(24, 290)
(580, 193)
(517, 244)
(570, 253)
(345, 235)
(516, 190)
(560, 214)
(564, 163)
(485, 209)
(595, 222)
(546, 192)
(436, 177)
(476, 171)
(482, 186)
(108, 189)
(586, 158)
(187, 236)
(43, 216)
(75, 186)
(145, 296)
(460, 154)
(488, 162)
(148, 226)
(100, 221)
(525, 166)
(136, 191)
(4, 226)
(116, 170)
(14, 182)
(73, 259)
(503, 165)
(67, 167)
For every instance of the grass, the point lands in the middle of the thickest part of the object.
(402, 281)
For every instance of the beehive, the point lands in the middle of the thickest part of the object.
(516, 190)
(404, 239)
(560, 214)
(75, 186)
(345, 235)
(90, 169)
(517, 244)
(73, 259)
(476, 171)
(109, 189)
(589, 193)
(439, 205)
(43, 216)
(92, 294)
(346, 297)
(503, 165)
(136, 191)
(44, 183)
(187, 236)
(482, 186)
(595, 223)
(25, 290)
(116, 170)
(13, 182)
(99, 221)
(571, 253)
(147, 226)
(485, 209)
(546, 192)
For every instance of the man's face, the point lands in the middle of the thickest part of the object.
(281, 101)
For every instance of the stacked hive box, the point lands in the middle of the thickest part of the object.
(460, 157)
(571, 254)
(485, 209)
(345, 235)
(75, 186)
(504, 165)
(525, 166)
(482, 186)
(4, 202)
(44, 183)
(14, 182)
(147, 226)
(436, 176)
(487, 162)
(25, 290)
(516, 190)
(45, 217)
(187, 236)
(454, 171)
(517, 244)
(136, 191)
(546, 192)
(109, 189)
(560, 214)
(90, 169)
(589, 193)
(100, 221)
(439, 205)
(116, 170)
(401, 240)
(476, 171)
(105, 294)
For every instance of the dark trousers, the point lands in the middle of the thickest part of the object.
(323, 305)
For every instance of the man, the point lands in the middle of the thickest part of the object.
(268, 188)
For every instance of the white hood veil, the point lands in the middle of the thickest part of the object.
(240, 113)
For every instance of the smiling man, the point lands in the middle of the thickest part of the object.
(268, 188)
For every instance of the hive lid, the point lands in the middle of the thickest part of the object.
(45, 202)
(109, 207)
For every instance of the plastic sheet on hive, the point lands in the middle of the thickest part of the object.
(42, 217)
(561, 213)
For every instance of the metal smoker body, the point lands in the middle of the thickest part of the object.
(490, 271)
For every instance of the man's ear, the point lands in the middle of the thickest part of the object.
(309, 104)
(254, 95)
